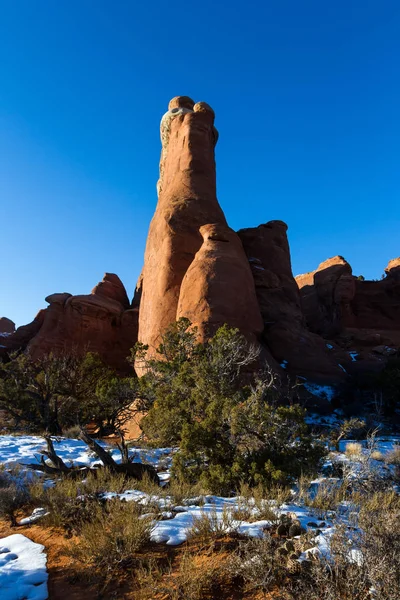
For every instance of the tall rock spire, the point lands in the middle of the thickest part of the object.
(187, 201)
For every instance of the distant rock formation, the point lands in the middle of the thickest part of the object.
(326, 295)
(101, 322)
(182, 272)
(335, 302)
(361, 317)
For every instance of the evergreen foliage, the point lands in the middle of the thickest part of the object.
(230, 425)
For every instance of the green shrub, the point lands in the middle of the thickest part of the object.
(230, 426)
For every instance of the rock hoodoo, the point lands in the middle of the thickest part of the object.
(218, 286)
(176, 253)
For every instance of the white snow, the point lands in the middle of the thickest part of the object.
(26, 449)
(23, 574)
(177, 520)
(326, 392)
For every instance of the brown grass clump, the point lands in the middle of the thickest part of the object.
(114, 535)
(353, 449)
(210, 526)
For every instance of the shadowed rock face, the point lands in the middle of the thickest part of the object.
(6, 325)
(187, 201)
(99, 322)
(326, 296)
(285, 331)
(334, 300)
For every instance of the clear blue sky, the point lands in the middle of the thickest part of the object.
(307, 101)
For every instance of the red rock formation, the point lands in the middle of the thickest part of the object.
(362, 317)
(285, 332)
(335, 301)
(112, 287)
(326, 295)
(97, 322)
(6, 325)
(187, 201)
(218, 287)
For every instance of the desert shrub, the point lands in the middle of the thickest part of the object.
(256, 503)
(68, 504)
(258, 564)
(196, 577)
(115, 533)
(230, 426)
(14, 494)
(393, 457)
(72, 432)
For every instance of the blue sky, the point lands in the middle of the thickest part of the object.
(306, 95)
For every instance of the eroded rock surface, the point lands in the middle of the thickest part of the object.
(285, 331)
(187, 202)
(218, 286)
(101, 322)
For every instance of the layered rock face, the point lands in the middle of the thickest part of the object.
(285, 331)
(101, 322)
(178, 251)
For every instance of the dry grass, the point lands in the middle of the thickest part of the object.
(393, 457)
(211, 525)
(114, 535)
(353, 450)
(194, 577)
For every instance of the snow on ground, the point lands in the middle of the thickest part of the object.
(327, 392)
(177, 520)
(23, 574)
(175, 528)
(25, 449)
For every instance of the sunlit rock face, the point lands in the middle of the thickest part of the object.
(100, 322)
(177, 250)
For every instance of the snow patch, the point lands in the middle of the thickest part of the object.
(23, 574)
(326, 392)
